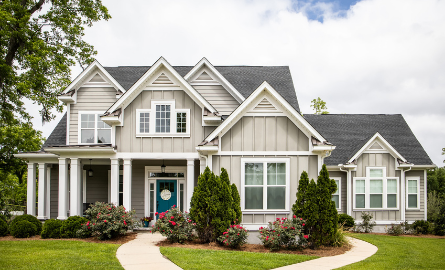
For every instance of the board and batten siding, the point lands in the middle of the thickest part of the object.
(218, 97)
(378, 160)
(127, 141)
(97, 186)
(343, 191)
(417, 214)
(89, 99)
(264, 133)
(298, 164)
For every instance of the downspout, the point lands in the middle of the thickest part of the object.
(204, 157)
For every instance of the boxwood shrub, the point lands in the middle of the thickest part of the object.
(71, 226)
(346, 220)
(23, 229)
(51, 228)
(3, 227)
(29, 218)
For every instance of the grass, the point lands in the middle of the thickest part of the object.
(187, 258)
(57, 254)
(396, 252)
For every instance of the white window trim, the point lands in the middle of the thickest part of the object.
(367, 193)
(339, 191)
(152, 125)
(265, 161)
(79, 127)
(417, 178)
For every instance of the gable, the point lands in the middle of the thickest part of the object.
(264, 106)
(376, 146)
(162, 79)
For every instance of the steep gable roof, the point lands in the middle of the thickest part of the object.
(58, 136)
(350, 132)
(245, 79)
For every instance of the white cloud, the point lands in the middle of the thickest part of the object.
(381, 57)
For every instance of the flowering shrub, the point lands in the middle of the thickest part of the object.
(284, 233)
(234, 237)
(106, 221)
(174, 225)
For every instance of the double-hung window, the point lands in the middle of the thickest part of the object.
(376, 190)
(336, 197)
(265, 184)
(412, 192)
(163, 119)
(92, 130)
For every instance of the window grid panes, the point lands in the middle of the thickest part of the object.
(181, 197)
(336, 195)
(144, 122)
(276, 185)
(93, 129)
(360, 189)
(152, 200)
(163, 118)
(376, 193)
(181, 122)
(254, 185)
(391, 193)
(412, 193)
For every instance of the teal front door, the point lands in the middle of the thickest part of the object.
(166, 195)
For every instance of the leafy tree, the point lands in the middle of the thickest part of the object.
(436, 181)
(15, 139)
(212, 206)
(319, 106)
(39, 41)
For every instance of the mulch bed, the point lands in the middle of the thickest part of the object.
(321, 252)
(121, 239)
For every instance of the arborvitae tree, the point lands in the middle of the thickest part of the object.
(298, 207)
(236, 205)
(212, 205)
(311, 208)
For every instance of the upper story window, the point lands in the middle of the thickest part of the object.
(376, 190)
(92, 129)
(265, 184)
(163, 119)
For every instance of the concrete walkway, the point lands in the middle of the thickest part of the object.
(142, 253)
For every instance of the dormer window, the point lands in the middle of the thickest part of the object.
(163, 119)
(92, 130)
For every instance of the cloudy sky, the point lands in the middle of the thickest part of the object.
(368, 57)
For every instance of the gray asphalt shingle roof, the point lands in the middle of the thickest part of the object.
(349, 132)
(58, 136)
(245, 79)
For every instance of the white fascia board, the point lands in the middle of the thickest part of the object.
(241, 110)
(323, 148)
(209, 148)
(57, 150)
(111, 120)
(424, 166)
(35, 155)
(221, 78)
(133, 91)
(385, 143)
(66, 99)
(87, 71)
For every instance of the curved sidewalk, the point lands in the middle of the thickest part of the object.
(142, 253)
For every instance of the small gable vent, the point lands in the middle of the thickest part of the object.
(265, 105)
(376, 146)
(162, 79)
(97, 78)
(204, 77)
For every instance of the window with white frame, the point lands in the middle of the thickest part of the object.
(376, 190)
(163, 119)
(265, 184)
(412, 192)
(336, 197)
(92, 129)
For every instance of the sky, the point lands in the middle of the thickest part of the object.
(360, 57)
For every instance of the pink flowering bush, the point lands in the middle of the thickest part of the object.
(175, 225)
(284, 233)
(106, 221)
(233, 237)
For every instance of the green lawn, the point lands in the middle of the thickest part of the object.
(57, 254)
(187, 258)
(396, 252)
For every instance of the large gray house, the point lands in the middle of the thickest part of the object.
(140, 136)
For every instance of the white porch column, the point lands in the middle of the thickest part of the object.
(190, 181)
(75, 188)
(63, 189)
(349, 198)
(41, 207)
(48, 191)
(31, 190)
(114, 190)
(127, 184)
(402, 195)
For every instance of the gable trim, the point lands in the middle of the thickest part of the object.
(136, 88)
(226, 84)
(241, 111)
(382, 142)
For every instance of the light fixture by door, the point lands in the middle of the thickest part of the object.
(90, 171)
(163, 168)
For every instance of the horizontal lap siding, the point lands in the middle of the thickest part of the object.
(417, 214)
(298, 164)
(127, 141)
(138, 186)
(264, 133)
(343, 191)
(89, 99)
(218, 97)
